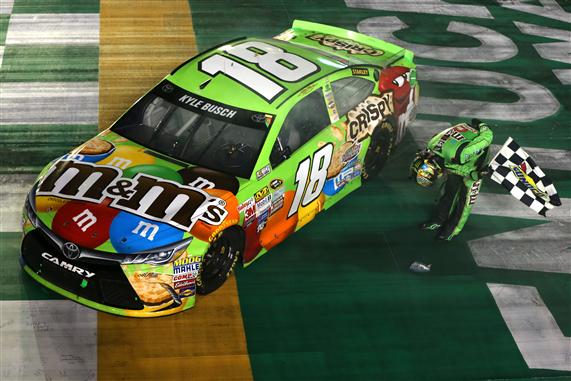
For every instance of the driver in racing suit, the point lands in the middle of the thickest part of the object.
(459, 153)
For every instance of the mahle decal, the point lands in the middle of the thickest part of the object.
(144, 195)
(362, 120)
(347, 45)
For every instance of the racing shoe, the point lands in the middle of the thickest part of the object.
(442, 236)
(430, 225)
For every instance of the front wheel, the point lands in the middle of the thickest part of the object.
(219, 260)
(380, 147)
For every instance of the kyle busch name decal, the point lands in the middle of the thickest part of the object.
(363, 119)
(147, 196)
(349, 46)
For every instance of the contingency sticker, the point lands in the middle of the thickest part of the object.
(330, 102)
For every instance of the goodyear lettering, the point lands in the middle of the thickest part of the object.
(363, 119)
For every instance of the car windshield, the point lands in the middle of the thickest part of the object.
(196, 130)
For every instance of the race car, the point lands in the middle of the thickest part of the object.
(229, 154)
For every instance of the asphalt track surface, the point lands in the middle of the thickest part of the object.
(336, 300)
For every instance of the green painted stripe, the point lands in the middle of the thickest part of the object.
(16, 285)
(50, 63)
(56, 6)
(4, 21)
(49, 142)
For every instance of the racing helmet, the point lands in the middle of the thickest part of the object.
(425, 169)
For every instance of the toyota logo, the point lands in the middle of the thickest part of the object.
(258, 118)
(71, 250)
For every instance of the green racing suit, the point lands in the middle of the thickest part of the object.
(461, 151)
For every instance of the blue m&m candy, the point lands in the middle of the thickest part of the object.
(130, 233)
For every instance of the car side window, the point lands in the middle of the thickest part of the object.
(349, 92)
(307, 118)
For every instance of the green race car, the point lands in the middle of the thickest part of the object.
(228, 155)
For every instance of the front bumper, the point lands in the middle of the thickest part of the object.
(104, 287)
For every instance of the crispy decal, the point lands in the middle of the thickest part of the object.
(363, 119)
(144, 195)
(350, 46)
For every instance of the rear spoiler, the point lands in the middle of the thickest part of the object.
(392, 54)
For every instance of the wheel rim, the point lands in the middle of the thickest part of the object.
(379, 149)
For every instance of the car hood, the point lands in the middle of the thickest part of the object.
(113, 195)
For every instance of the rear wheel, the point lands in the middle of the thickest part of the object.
(220, 259)
(380, 147)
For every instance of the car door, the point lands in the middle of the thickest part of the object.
(344, 173)
(299, 159)
(310, 154)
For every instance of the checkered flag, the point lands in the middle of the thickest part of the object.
(513, 168)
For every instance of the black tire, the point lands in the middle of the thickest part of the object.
(220, 260)
(381, 146)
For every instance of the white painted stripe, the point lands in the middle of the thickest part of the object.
(422, 130)
(6, 7)
(49, 103)
(1, 55)
(436, 7)
(13, 190)
(47, 340)
(538, 248)
(36, 29)
(543, 248)
(533, 327)
(547, 157)
(504, 205)
(548, 8)
(494, 46)
(563, 75)
(535, 101)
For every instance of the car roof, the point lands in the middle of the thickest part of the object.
(231, 92)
